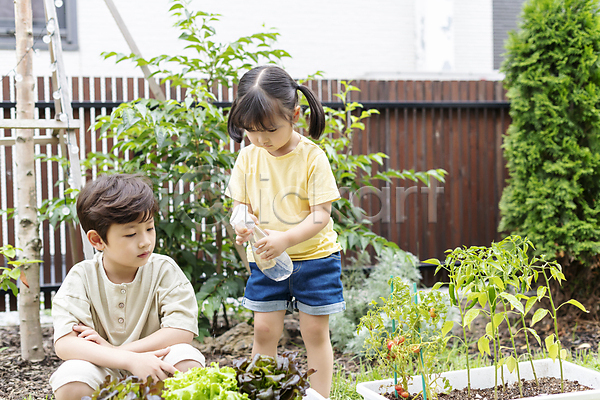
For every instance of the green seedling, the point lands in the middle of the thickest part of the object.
(417, 339)
(493, 282)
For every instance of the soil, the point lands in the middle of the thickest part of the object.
(19, 378)
(509, 392)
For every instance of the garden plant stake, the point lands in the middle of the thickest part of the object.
(416, 299)
(394, 330)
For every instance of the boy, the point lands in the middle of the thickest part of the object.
(127, 310)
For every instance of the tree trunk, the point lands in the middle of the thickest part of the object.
(29, 241)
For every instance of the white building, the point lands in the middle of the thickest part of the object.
(346, 39)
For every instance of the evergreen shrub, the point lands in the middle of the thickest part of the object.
(552, 146)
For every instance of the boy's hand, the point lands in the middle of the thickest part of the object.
(272, 245)
(87, 333)
(150, 364)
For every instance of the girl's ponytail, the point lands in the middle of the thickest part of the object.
(317, 114)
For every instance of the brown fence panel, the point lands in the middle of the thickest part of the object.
(454, 125)
(427, 129)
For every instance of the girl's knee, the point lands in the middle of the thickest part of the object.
(315, 334)
(262, 329)
(314, 328)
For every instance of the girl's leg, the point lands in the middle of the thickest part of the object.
(268, 327)
(319, 354)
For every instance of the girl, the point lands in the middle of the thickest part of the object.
(286, 181)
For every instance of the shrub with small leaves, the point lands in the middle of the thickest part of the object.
(552, 146)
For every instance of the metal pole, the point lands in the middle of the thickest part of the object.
(154, 87)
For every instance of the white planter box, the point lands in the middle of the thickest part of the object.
(482, 378)
(311, 394)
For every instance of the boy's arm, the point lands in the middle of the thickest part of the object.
(277, 242)
(71, 347)
(160, 339)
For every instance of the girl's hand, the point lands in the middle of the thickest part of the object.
(273, 245)
(87, 333)
(242, 233)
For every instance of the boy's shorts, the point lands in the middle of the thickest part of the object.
(315, 288)
(93, 375)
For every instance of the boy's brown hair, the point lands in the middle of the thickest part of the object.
(115, 199)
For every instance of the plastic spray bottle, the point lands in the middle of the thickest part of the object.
(279, 268)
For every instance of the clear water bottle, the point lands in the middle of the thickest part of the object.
(279, 268)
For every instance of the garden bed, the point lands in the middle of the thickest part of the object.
(19, 378)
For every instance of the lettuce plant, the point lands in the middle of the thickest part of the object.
(129, 388)
(203, 383)
(267, 378)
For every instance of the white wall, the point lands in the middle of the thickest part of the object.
(347, 39)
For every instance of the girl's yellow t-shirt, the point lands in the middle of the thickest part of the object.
(281, 191)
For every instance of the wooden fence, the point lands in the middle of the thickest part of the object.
(454, 125)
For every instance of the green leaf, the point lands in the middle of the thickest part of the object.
(488, 329)
(541, 292)
(549, 341)
(576, 304)
(538, 315)
(483, 344)
(470, 316)
(482, 299)
(535, 335)
(498, 318)
(564, 354)
(447, 327)
(553, 351)
(513, 301)
(511, 364)
(530, 302)
(498, 282)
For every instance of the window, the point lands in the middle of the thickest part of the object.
(67, 20)
(506, 17)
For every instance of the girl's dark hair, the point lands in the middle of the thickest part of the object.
(115, 199)
(265, 93)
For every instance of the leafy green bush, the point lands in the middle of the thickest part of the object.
(552, 147)
(13, 270)
(184, 148)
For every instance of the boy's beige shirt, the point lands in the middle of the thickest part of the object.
(281, 191)
(160, 296)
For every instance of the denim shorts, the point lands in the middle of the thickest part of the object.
(314, 288)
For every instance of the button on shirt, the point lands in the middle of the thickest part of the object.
(160, 296)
